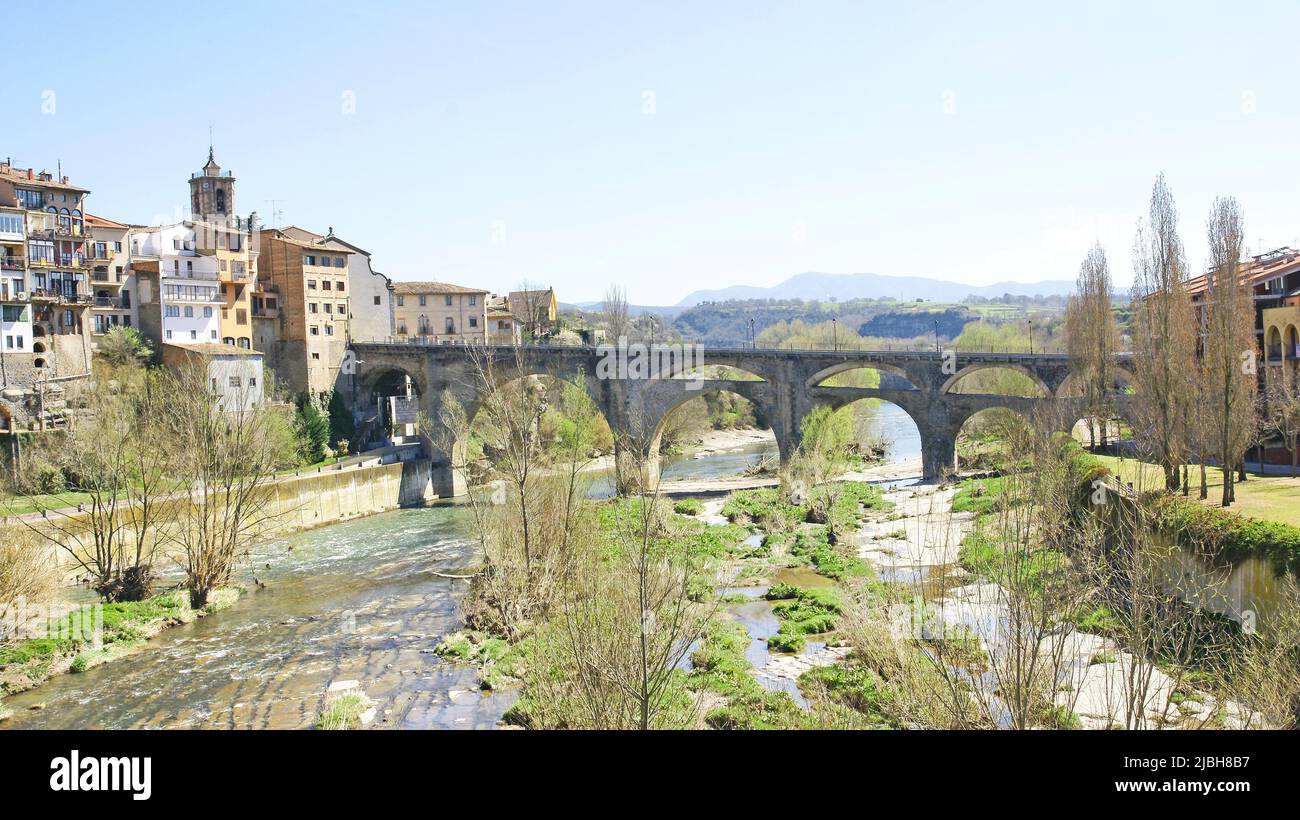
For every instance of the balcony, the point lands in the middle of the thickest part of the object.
(103, 277)
(62, 297)
(110, 302)
(55, 232)
(13, 263)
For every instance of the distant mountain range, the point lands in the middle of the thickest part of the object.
(874, 286)
(845, 286)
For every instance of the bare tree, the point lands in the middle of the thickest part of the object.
(534, 304)
(1164, 337)
(628, 619)
(616, 314)
(1229, 348)
(525, 519)
(226, 459)
(1092, 338)
(114, 458)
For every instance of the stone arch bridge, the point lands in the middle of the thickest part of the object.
(783, 385)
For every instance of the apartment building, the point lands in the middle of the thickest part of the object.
(440, 312)
(178, 292)
(370, 303)
(111, 280)
(44, 295)
(309, 285)
(1274, 279)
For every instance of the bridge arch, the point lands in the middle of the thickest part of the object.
(764, 415)
(821, 377)
(954, 379)
(1068, 387)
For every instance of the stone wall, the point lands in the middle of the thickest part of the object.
(329, 496)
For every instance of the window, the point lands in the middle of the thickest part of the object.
(194, 335)
(340, 262)
(11, 223)
(329, 330)
(29, 199)
(311, 307)
(311, 284)
(235, 382)
(325, 285)
(214, 334)
(172, 311)
(189, 268)
(376, 298)
(169, 334)
(315, 331)
(189, 311)
(214, 385)
(176, 244)
(400, 301)
(207, 313)
(473, 299)
(117, 246)
(308, 259)
(447, 301)
(252, 382)
(422, 302)
(241, 316)
(473, 321)
(316, 356)
(329, 307)
(451, 325)
(338, 286)
(343, 308)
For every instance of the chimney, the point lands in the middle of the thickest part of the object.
(29, 173)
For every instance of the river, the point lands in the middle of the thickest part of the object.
(351, 601)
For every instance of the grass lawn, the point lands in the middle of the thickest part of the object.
(1269, 498)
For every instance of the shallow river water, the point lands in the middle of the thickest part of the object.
(351, 601)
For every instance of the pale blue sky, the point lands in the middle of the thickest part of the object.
(496, 142)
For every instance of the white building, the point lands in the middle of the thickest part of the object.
(179, 290)
(234, 373)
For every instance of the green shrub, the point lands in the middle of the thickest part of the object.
(687, 506)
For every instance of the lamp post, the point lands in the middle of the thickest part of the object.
(835, 334)
(1031, 337)
(752, 341)
(936, 335)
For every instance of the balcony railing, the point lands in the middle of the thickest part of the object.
(110, 302)
(13, 263)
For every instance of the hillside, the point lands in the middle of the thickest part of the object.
(874, 286)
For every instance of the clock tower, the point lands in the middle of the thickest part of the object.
(212, 193)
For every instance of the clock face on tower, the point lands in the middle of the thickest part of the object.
(205, 185)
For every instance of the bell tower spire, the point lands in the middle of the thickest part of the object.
(212, 191)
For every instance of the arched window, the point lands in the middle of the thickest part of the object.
(221, 200)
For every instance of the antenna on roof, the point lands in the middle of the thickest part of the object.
(276, 212)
